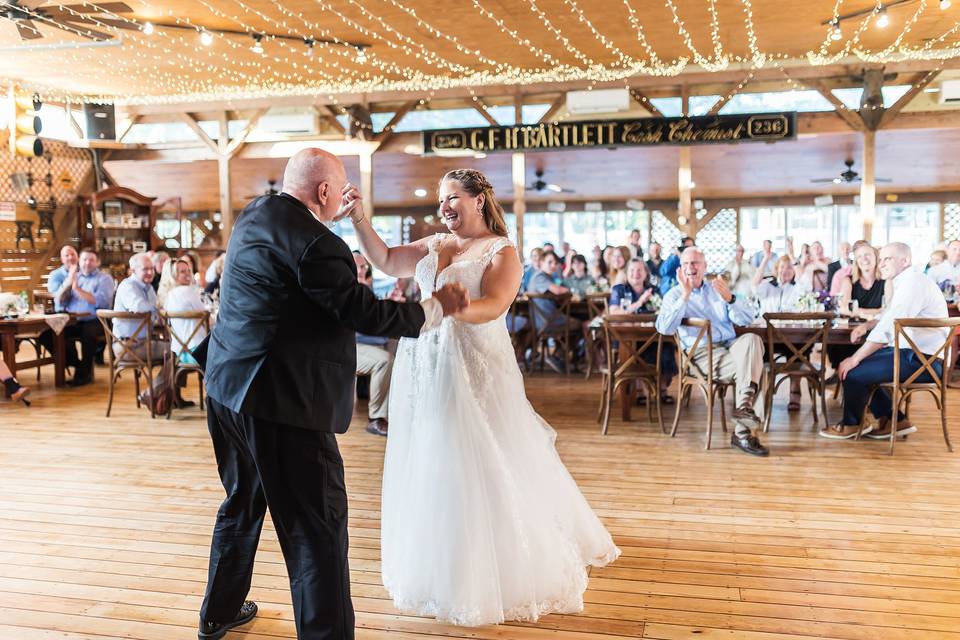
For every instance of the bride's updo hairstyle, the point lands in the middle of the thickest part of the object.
(475, 183)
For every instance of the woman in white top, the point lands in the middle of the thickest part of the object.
(184, 296)
(780, 295)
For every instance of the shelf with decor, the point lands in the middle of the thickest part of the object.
(118, 222)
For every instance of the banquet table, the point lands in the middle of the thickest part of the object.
(797, 333)
(32, 324)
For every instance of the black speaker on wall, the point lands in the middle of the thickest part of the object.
(101, 121)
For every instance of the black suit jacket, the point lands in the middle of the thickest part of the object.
(284, 346)
(832, 269)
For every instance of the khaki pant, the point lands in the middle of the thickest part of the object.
(158, 349)
(741, 362)
(377, 362)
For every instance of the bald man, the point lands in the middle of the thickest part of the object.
(280, 378)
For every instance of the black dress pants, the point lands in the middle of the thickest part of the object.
(87, 333)
(298, 474)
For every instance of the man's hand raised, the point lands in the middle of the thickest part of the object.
(453, 298)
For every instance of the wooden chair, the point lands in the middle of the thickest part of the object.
(125, 358)
(901, 392)
(691, 376)
(626, 339)
(798, 363)
(180, 344)
(555, 325)
(596, 307)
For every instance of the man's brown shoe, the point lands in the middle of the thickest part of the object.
(843, 431)
(377, 427)
(882, 432)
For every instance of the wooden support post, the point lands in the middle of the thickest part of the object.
(518, 111)
(868, 188)
(366, 180)
(644, 101)
(519, 193)
(685, 215)
(554, 109)
(223, 178)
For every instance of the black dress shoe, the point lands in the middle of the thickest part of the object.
(216, 630)
(377, 427)
(81, 382)
(750, 444)
(185, 404)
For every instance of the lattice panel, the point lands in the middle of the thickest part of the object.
(718, 239)
(665, 233)
(951, 221)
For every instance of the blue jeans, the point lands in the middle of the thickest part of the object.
(876, 369)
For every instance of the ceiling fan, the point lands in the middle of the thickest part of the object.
(848, 176)
(77, 19)
(271, 190)
(539, 185)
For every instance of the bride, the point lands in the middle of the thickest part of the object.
(481, 522)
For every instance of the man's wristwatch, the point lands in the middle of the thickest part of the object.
(733, 298)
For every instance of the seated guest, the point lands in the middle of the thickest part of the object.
(758, 257)
(937, 257)
(374, 359)
(136, 295)
(13, 388)
(633, 296)
(864, 290)
(79, 287)
(949, 269)
(168, 279)
(212, 275)
(599, 270)
(536, 254)
(633, 244)
(654, 260)
(185, 296)
(617, 266)
(914, 296)
(780, 295)
(404, 290)
(542, 282)
(741, 272)
(842, 262)
(735, 359)
(579, 281)
(668, 270)
(159, 258)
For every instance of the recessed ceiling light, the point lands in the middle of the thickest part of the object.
(147, 28)
(420, 192)
(945, 4)
(206, 38)
(883, 19)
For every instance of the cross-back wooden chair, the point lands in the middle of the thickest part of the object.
(180, 344)
(125, 358)
(555, 325)
(626, 339)
(798, 361)
(596, 307)
(692, 376)
(901, 392)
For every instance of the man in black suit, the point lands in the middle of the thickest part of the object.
(843, 260)
(280, 377)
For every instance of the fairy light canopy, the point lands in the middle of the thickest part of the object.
(180, 51)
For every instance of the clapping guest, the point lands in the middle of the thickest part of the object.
(668, 270)
(136, 295)
(579, 281)
(768, 253)
(80, 287)
(635, 296)
(159, 258)
(618, 265)
(735, 359)
(949, 269)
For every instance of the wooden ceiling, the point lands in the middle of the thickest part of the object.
(437, 43)
(721, 171)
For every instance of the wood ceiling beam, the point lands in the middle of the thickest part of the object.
(554, 109)
(722, 102)
(325, 114)
(644, 102)
(489, 118)
(238, 141)
(919, 84)
(189, 120)
(852, 118)
(387, 131)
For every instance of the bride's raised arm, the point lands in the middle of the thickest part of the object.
(501, 281)
(398, 262)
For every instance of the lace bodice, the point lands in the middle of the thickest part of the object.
(468, 273)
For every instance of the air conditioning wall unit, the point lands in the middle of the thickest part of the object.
(598, 101)
(949, 92)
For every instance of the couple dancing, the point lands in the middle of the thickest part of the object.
(480, 521)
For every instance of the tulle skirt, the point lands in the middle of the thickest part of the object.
(481, 522)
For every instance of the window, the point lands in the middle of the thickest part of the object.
(762, 223)
(917, 224)
(389, 228)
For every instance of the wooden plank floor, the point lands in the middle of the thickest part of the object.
(105, 525)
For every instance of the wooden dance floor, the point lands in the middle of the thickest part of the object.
(105, 525)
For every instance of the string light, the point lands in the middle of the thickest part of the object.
(836, 33)
(147, 28)
(883, 19)
(945, 4)
(257, 46)
(206, 39)
(361, 55)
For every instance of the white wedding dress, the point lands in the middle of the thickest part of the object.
(481, 522)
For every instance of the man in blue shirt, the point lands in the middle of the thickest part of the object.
(79, 286)
(546, 309)
(736, 359)
(668, 268)
(758, 257)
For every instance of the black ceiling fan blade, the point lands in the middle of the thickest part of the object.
(883, 180)
(83, 31)
(95, 7)
(84, 22)
(565, 190)
(822, 180)
(28, 30)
